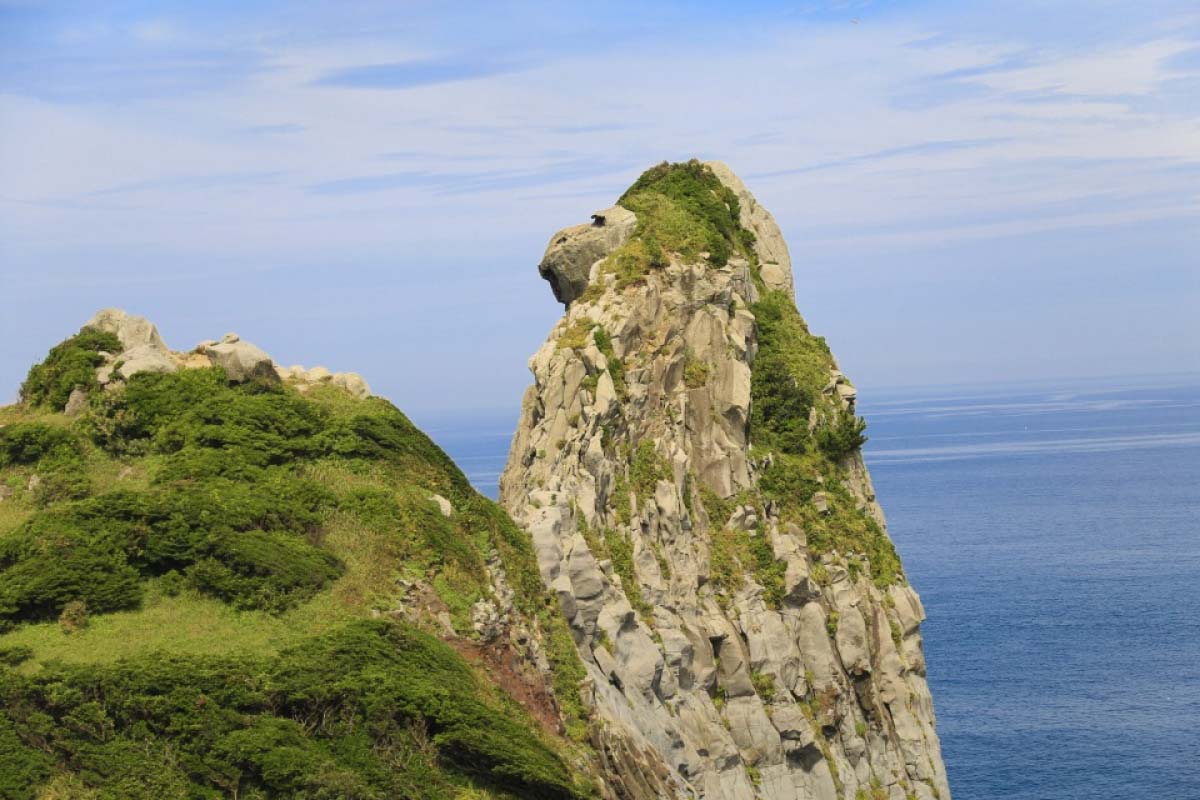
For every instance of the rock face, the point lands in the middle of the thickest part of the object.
(145, 351)
(573, 251)
(687, 467)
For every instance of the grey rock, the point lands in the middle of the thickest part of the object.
(773, 256)
(145, 358)
(240, 360)
(443, 505)
(705, 684)
(568, 260)
(133, 331)
(76, 403)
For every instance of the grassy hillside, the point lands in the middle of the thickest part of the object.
(238, 590)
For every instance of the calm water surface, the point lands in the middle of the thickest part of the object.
(1053, 533)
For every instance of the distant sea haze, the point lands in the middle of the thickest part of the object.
(1053, 533)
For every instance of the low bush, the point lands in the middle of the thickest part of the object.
(371, 710)
(69, 365)
(30, 442)
(243, 543)
(843, 437)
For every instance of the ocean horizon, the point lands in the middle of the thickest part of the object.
(1052, 529)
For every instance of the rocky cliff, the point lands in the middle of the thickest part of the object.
(688, 466)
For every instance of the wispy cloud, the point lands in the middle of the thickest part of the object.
(918, 149)
(416, 73)
(271, 130)
(185, 183)
(209, 134)
(464, 182)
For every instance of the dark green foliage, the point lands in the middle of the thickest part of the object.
(373, 710)
(790, 370)
(780, 407)
(22, 768)
(685, 208)
(30, 442)
(191, 410)
(55, 455)
(842, 437)
(788, 480)
(69, 365)
(13, 656)
(790, 375)
(245, 544)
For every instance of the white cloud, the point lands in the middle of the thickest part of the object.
(1136, 70)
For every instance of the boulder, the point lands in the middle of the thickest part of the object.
(443, 505)
(567, 262)
(353, 383)
(240, 360)
(145, 358)
(133, 331)
(76, 403)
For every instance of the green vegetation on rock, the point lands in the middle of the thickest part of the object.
(69, 365)
(187, 575)
(681, 208)
(809, 436)
(686, 209)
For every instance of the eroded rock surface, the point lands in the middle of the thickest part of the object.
(143, 350)
(725, 569)
(573, 251)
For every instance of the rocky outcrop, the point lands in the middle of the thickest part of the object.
(143, 350)
(691, 482)
(574, 251)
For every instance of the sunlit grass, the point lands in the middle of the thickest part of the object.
(188, 624)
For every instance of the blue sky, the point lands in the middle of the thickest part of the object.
(971, 192)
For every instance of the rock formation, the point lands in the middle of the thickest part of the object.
(687, 465)
(145, 351)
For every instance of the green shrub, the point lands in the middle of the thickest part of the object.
(843, 437)
(14, 656)
(22, 768)
(695, 372)
(371, 710)
(54, 453)
(68, 365)
(684, 208)
(764, 685)
(789, 373)
(30, 442)
(789, 480)
(246, 543)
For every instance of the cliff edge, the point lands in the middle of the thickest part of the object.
(688, 466)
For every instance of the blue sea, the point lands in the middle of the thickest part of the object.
(1053, 532)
